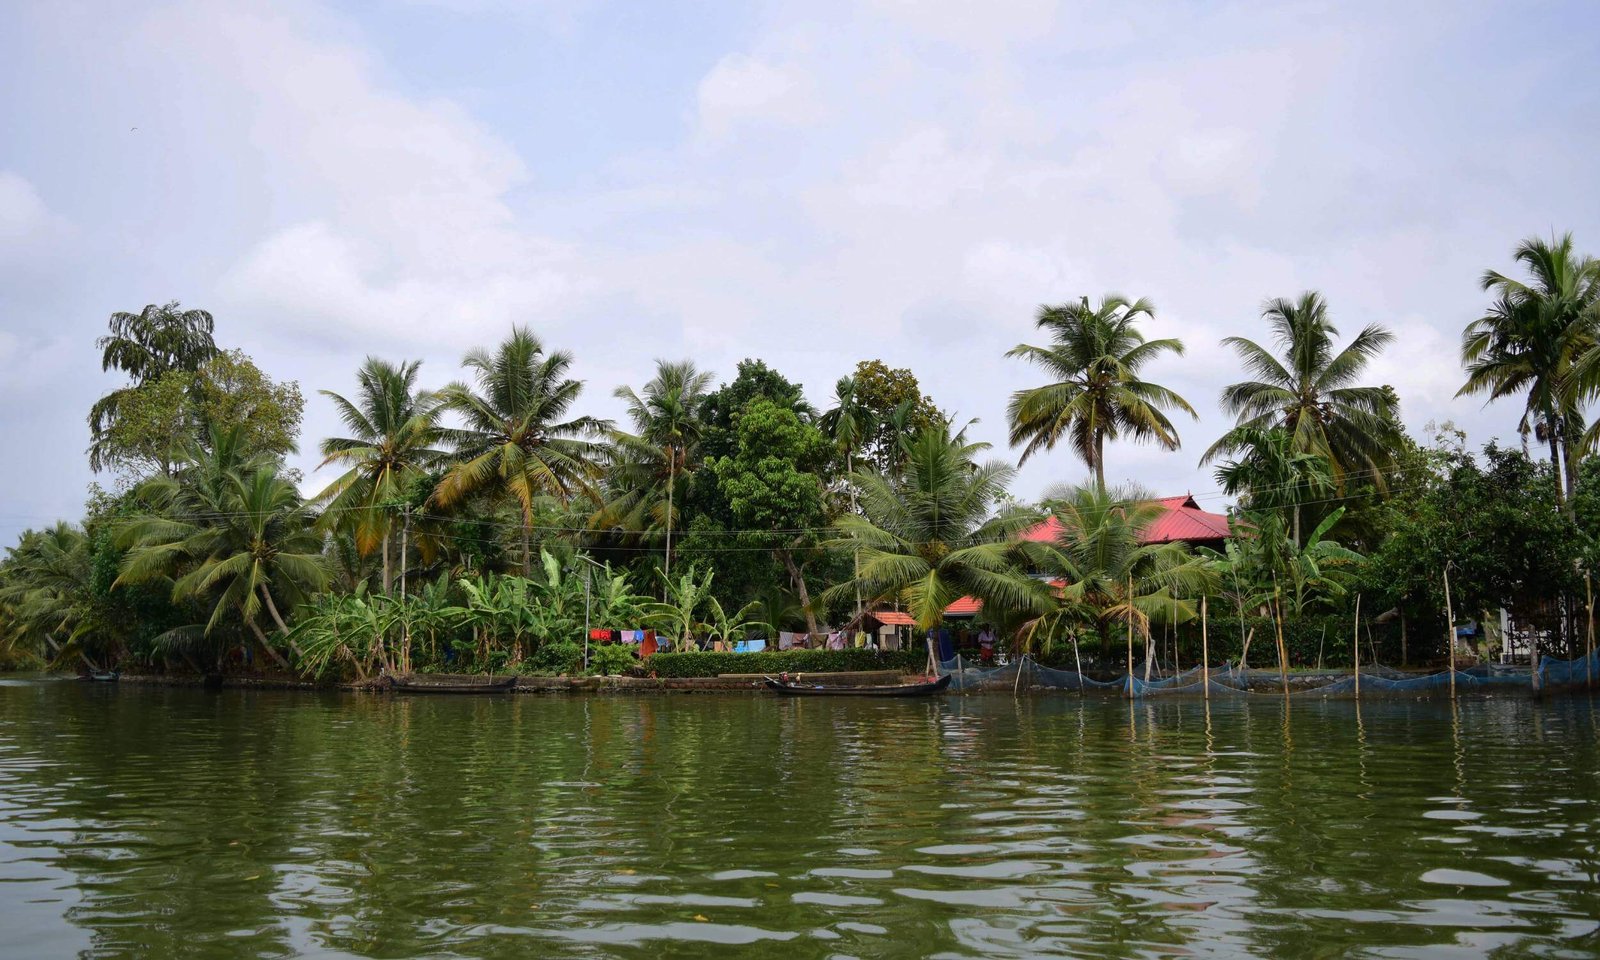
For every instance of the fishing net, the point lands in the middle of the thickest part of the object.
(1228, 680)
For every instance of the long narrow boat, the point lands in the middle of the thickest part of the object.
(102, 676)
(923, 689)
(453, 684)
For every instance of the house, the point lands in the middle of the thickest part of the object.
(1181, 521)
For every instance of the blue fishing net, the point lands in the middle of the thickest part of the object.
(1228, 680)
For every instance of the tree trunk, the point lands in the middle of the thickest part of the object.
(277, 619)
(527, 537)
(387, 580)
(798, 580)
(1571, 462)
(671, 476)
(1100, 459)
(1555, 464)
(266, 645)
(855, 510)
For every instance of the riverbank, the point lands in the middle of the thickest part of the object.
(535, 685)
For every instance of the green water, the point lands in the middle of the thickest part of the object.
(182, 823)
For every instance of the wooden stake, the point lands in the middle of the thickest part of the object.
(1077, 661)
(1283, 664)
(1205, 653)
(1129, 600)
(1450, 630)
(1357, 646)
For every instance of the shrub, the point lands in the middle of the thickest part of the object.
(563, 656)
(610, 659)
(709, 664)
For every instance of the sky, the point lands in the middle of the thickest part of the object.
(808, 183)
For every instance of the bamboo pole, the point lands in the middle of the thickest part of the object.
(1129, 600)
(1357, 646)
(1205, 653)
(1450, 630)
(1283, 665)
(1077, 661)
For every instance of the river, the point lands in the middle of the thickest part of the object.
(161, 822)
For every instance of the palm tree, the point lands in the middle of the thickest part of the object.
(393, 429)
(664, 445)
(1095, 356)
(519, 440)
(45, 591)
(1312, 391)
(848, 423)
(146, 346)
(932, 535)
(228, 530)
(1107, 573)
(1538, 338)
(1273, 475)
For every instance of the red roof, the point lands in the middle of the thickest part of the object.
(1183, 520)
(893, 618)
(965, 607)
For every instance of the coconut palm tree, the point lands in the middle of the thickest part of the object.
(393, 429)
(1312, 391)
(519, 439)
(1095, 356)
(1538, 339)
(664, 445)
(45, 593)
(933, 534)
(146, 346)
(228, 530)
(848, 423)
(1106, 572)
(1270, 474)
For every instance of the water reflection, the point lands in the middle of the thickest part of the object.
(149, 822)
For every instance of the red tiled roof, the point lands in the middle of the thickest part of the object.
(893, 618)
(1182, 521)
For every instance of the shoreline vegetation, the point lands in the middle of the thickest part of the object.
(490, 526)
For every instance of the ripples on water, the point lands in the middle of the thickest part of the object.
(170, 823)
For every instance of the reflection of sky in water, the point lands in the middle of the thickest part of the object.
(141, 821)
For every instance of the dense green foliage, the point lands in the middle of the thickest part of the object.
(487, 525)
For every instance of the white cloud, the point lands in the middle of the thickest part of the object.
(29, 231)
(409, 232)
(743, 89)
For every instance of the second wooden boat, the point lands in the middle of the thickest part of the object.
(791, 689)
(444, 683)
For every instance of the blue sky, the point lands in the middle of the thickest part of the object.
(813, 184)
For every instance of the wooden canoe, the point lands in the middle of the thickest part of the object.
(445, 683)
(924, 689)
(103, 676)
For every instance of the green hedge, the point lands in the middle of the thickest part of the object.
(710, 664)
